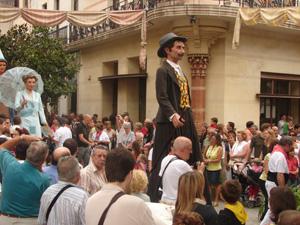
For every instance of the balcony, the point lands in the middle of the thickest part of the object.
(72, 35)
(9, 3)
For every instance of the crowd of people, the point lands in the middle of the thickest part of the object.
(86, 161)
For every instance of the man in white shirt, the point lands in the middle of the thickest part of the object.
(62, 133)
(182, 148)
(127, 209)
(278, 169)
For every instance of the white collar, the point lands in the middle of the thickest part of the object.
(200, 201)
(174, 65)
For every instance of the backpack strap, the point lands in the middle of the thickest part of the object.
(113, 200)
(55, 199)
(162, 175)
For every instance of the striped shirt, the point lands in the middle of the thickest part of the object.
(69, 208)
(91, 179)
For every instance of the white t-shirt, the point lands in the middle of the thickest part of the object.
(61, 134)
(150, 154)
(171, 176)
(103, 137)
(238, 147)
(278, 163)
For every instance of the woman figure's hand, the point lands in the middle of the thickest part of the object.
(23, 102)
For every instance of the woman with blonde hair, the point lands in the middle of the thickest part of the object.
(138, 185)
(190, 197)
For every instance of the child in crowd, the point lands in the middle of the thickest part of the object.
(293, 168)
(142, 161)
(256, 170)
(234, 212)
(139, 136)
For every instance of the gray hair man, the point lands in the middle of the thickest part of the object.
(23, 184)
(93, 175)
(69, 207)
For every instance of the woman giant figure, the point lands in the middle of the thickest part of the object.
(29, 105)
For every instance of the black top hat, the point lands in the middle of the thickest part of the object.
(167, 38)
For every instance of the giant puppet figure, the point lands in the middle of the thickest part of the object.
(3, 63)
(20, 90)
(3, 66)
(29, 105)
(174, 117)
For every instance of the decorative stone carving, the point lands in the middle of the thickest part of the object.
(199, 64)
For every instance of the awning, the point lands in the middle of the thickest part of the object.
(123, 76)
(277, 96)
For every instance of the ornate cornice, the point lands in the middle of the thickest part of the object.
(199, 64)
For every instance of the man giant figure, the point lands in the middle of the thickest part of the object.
(174, 116)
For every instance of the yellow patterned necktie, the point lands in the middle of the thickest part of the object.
(184, 94)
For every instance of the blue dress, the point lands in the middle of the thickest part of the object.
(32, 115)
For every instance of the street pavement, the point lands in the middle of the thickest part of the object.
(252, 214)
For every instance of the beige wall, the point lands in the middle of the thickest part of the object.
(233, 76)
(258, 52)
(215, 82)
(91, 98)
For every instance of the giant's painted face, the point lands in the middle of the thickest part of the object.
(2, 67)
(30, 84)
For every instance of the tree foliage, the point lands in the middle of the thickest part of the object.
(37, 50)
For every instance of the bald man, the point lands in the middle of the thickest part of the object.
(173, 166)
(83, 141)
(51, 170)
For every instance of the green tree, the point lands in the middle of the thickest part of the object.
(37, 50)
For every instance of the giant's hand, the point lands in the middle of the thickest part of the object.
(177, 120)
(23, 102)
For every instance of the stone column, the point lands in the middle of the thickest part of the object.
(199, 64)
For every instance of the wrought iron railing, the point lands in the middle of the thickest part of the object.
(72, 33)
(8, 3)
(61, 33)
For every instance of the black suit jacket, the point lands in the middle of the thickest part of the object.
(167, 93)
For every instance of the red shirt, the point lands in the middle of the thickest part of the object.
(293, 165)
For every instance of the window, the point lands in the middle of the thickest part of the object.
(279, 94)
(75, 5)
(44, 6)
(266, 86)
(56, 4)
(279, 87)
(26, 4)
(16, 3)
